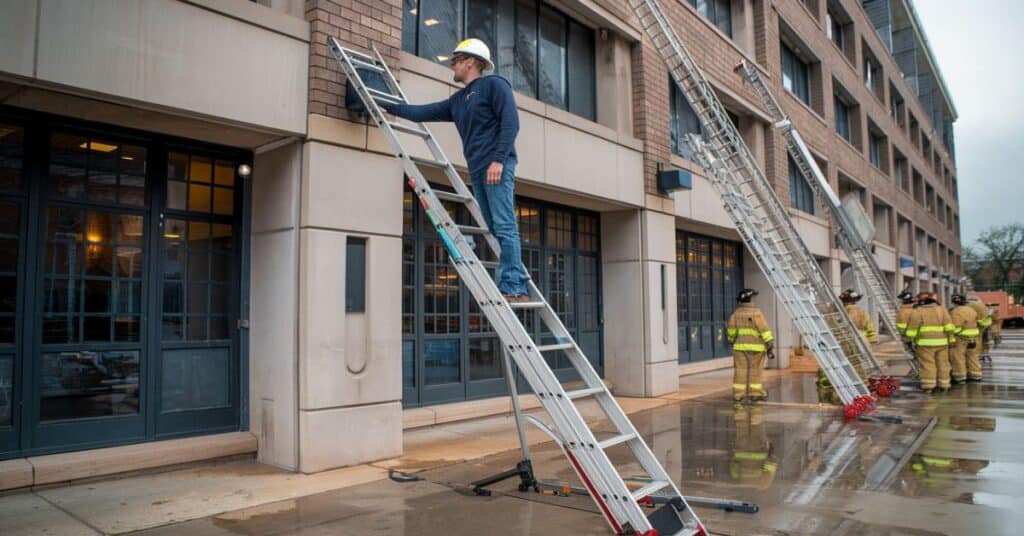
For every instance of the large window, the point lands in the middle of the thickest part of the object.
(719, 12)
(122, 253)
(709, 274)
(801, 196)
(796, 75)
(449, 350)
(683, 121)
(542, 52)
(875, 149)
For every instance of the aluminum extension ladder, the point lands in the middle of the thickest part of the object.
(586, 453)
(857, 249)
(761, 220)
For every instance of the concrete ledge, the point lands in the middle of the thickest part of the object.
(56, 468)
(705, 366)
(15, 474)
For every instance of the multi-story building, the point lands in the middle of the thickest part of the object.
(199, 239)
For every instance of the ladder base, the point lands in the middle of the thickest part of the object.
(524, 470)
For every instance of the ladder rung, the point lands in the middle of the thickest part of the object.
(649, 489)
(448, 196)
(489, 264)
(380, 95)
(555, 347)
(409, 129)
(472, 229)
(360, 64)
(527, 305)
(429, 162)
(581, 393)
(612, 441)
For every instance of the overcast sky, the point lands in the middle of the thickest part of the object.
(977, 46)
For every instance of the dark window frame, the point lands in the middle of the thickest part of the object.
(801, 195)
(717, 12)
(796, 74)
(707, 280)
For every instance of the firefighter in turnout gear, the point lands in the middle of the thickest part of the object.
(996, 329)
(984, 323)
(860, 318)
(906, 305)
(965, 320)
(752, 463)
(751, 340)
(930, 329)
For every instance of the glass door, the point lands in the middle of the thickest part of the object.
(12, 255)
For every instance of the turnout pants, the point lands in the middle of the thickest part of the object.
(958, 359)
(746, 372)
(973, 360)
(934, 364)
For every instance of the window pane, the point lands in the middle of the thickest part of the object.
(524, 76)
(505, 34)
(581, 71)
(439, 29)
(6, 390)
(224, 174)
(86, 384)
(67, 165)
(11, 156)
(409, 12)
(442, 361)
(223, 201)
(195, 379)
(480, 22)
(199, 198)
(485, 359)
(408, 364)
(552, 57)
(723, 16)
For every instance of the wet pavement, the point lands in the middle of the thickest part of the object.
(953, 466)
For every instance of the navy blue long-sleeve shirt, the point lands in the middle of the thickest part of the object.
(484, 113)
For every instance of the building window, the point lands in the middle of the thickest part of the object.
(355, 274)
(682, 121)
(842, 118)
(836, 30)
(796, 74)
(875, 149)
(801, 196)
(709, 273)
(450, 352)
(719, 12)
(541, 51)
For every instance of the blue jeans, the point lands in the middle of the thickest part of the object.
(497, 203)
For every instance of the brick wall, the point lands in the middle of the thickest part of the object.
(357, 24)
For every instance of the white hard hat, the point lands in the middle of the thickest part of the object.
(477, 48)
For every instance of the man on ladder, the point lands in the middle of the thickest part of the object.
(859, 316)
(930, 327)
(485, 114)
(965, 319)
(751, 340)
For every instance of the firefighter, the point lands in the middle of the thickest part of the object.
(965, 339)
(751, 340)
(996, 329)
(984, 322)
(906, 305)
(859, 316)
(752, 463)
(929, 327)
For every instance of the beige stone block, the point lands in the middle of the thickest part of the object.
(337, 131)
(530, 146)
(660, 235)
(662, 329)
(275, 188)
(273, 361)
(17, 36)
(706, 205)
(814, 232)
(342, 437)
(348, 358)
(662, 378)
(620, 236)
(15, 473)
(624, 329)
(885, 256)
(629, 173)
(70, 466)
(417, 418)
(176, 55)
(578, 161)
(461, 411)
(351, 190)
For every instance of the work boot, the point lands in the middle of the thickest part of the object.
(517, 298)
(973, 379)
(961, 381)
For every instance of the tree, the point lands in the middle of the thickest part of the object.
(997, 258)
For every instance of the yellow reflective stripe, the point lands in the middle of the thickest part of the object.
(948, 327)
(932, 342)
(748, 347)
(957, 331)
(756, 386)
(743, 455)
(969, 332)
(730, 331)
(748, 331)
(901, 325)
(932, 329)
(985, 322)
(911, 333)
(767, 336)
(940, 462)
